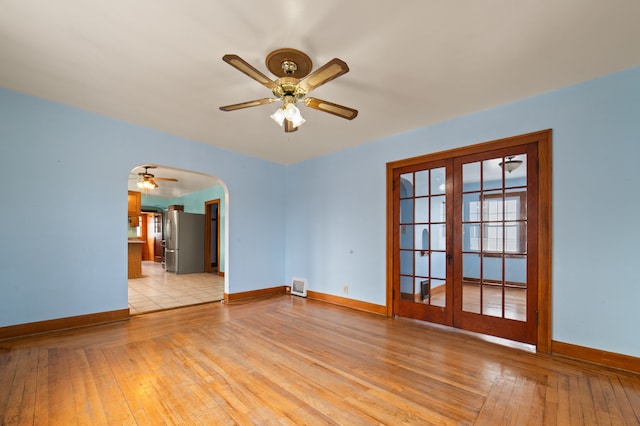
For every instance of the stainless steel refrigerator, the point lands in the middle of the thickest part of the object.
(184, 235)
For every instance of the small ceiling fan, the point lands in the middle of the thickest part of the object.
(294, 82)
(147, 180)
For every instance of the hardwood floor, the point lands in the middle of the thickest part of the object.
(287, 360)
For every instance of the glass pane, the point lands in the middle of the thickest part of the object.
(438, 264)
(422, 183)
(492, 300)
(471, 177)
(406, 236)
(406, 185)
(492, 237)
(422, 209)
(491, 174)
(515, 303)
(438, 181)
(438, 294)
(492, 268)
(422, 289)
(471, 266)
(515, 270)
(512, 237)
(492, 208)
(518, 177)
(422, 263)
(471, 207)
(471, 237)
(438, 209)
(511, 207)
(422, 237)
(406, 262)
(406, 211)
(406, 288)
(439, 237)
(471, 297)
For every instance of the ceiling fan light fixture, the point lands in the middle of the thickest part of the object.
(288, 112)
(511, 164)
(147, 184)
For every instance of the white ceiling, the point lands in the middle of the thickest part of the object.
(157, 63)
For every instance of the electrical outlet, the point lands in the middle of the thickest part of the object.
(345, 289)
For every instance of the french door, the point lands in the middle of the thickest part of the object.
(465, 240)
(423, 241)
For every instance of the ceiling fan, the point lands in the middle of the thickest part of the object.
(147, 180)
(294, 82)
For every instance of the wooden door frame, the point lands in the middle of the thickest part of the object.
(207, 234)
(544, 243)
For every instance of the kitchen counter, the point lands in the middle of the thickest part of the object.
(134, 261)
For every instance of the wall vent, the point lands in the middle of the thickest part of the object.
(299, 287)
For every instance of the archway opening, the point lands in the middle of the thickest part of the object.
(168, 235)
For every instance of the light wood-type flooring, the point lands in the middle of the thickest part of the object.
(292, 361)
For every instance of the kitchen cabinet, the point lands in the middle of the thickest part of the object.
(133, 210)
(134, 264)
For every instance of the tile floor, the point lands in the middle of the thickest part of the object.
(158, 289)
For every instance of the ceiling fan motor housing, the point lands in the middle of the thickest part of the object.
(288, 87)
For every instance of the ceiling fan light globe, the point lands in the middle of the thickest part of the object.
(292, 113)
(279, 116)
(298, 121)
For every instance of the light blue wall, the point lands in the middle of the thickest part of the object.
(336, 206)
(63, 248)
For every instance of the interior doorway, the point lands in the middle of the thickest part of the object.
(469, 238)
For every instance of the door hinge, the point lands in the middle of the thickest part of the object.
(536, 317)
(393, 185)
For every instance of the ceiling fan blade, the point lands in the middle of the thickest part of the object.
(332, 69)
(166, 179)
(242, 65)
(288, 126)
(248, 104)
(331, 108)
(153, 182)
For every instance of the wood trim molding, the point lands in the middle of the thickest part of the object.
(207, 234)
(596, 356)
(231, 297)
(545, 242)
(348, 303)
(62, 323)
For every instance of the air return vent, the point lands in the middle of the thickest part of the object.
(299, 287)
